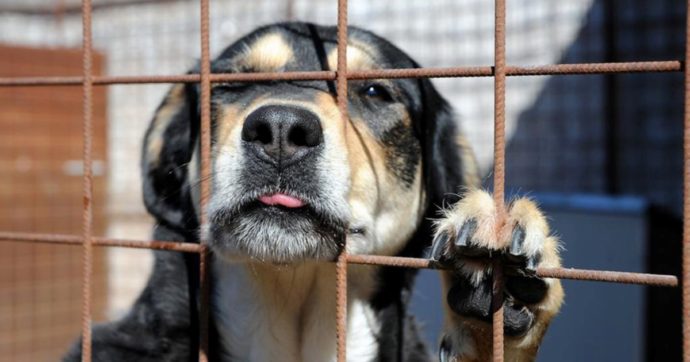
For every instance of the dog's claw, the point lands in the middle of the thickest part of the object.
(532, 262)
(444, 351)
(463, 243)
(438, 246)
(466, 232)
(517, 240)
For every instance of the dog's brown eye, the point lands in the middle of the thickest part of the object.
(376, 91)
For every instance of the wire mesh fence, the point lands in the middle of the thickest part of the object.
(498, 71)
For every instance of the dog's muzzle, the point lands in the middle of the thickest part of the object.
(280, 209)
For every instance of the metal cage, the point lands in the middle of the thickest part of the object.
(499, 71)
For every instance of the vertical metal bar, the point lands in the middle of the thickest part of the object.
(499, 103)
(499, 167)
(686, 195)
(290, 10)
(204, 283)
(205, 74)
(497, 308)
(87, 88)
(341, 264)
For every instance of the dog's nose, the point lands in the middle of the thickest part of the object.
(283, 133)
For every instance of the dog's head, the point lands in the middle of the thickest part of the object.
(290, 177)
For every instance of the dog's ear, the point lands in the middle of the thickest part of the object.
(435, 126)
(441, 154)
(168, 148)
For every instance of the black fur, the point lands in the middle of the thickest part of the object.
(475, 302)
(157, 328)
(165, 188)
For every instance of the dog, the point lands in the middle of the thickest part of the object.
(293, 182)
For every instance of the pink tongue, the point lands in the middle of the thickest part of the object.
(282, 200)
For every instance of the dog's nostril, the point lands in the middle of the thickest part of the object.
(306, 133)
(305, 130)
(264, 134)
(298, 137)
(258, 129)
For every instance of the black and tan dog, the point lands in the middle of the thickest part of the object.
(290, 180)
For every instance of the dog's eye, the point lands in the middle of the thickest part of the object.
(376, 91)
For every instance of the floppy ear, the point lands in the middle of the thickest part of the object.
(442, 171)
(168, 149)
(441, 153)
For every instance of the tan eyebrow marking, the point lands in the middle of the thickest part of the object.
(357, 58)
(269, 53)
(172, 104)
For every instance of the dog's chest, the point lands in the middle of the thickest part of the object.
(286, 315)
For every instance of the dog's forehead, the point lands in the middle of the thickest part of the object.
(305, 47)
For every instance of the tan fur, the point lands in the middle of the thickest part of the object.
(358, 58)
(228, 120)
(270, 53)
(171, 105)
(479, 205)
(470, 169)
(375, 194)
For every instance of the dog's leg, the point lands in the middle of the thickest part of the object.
(466, 238)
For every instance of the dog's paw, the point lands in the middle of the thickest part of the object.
(468, 238)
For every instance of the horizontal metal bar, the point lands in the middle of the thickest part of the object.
(597, 68)
(274, 76)
(100, 241)
(154, 79)
(74, 9)
(609, 276)
(395, 261)
(421, 73)
(557, 69)
(559, 273)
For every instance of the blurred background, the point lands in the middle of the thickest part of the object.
(601, 153)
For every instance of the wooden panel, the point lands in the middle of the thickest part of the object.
(41, 191)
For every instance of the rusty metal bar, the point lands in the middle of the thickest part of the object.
(204, 290)
(377, 260)
(497, 309)
(290, 10)
(62, 239)
(559, 273)
(609, 276)
(686, 197)
(69, 9)
(499, 169)
(205, 75)
(274, 76)
(449, 72)
(396, 261)
(341, 263)
(499, 105)
(596, 68)
(153, 79)
(87, 215)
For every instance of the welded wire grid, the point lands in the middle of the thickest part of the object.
(499, 71)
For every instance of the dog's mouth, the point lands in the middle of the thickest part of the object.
(277, 227)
